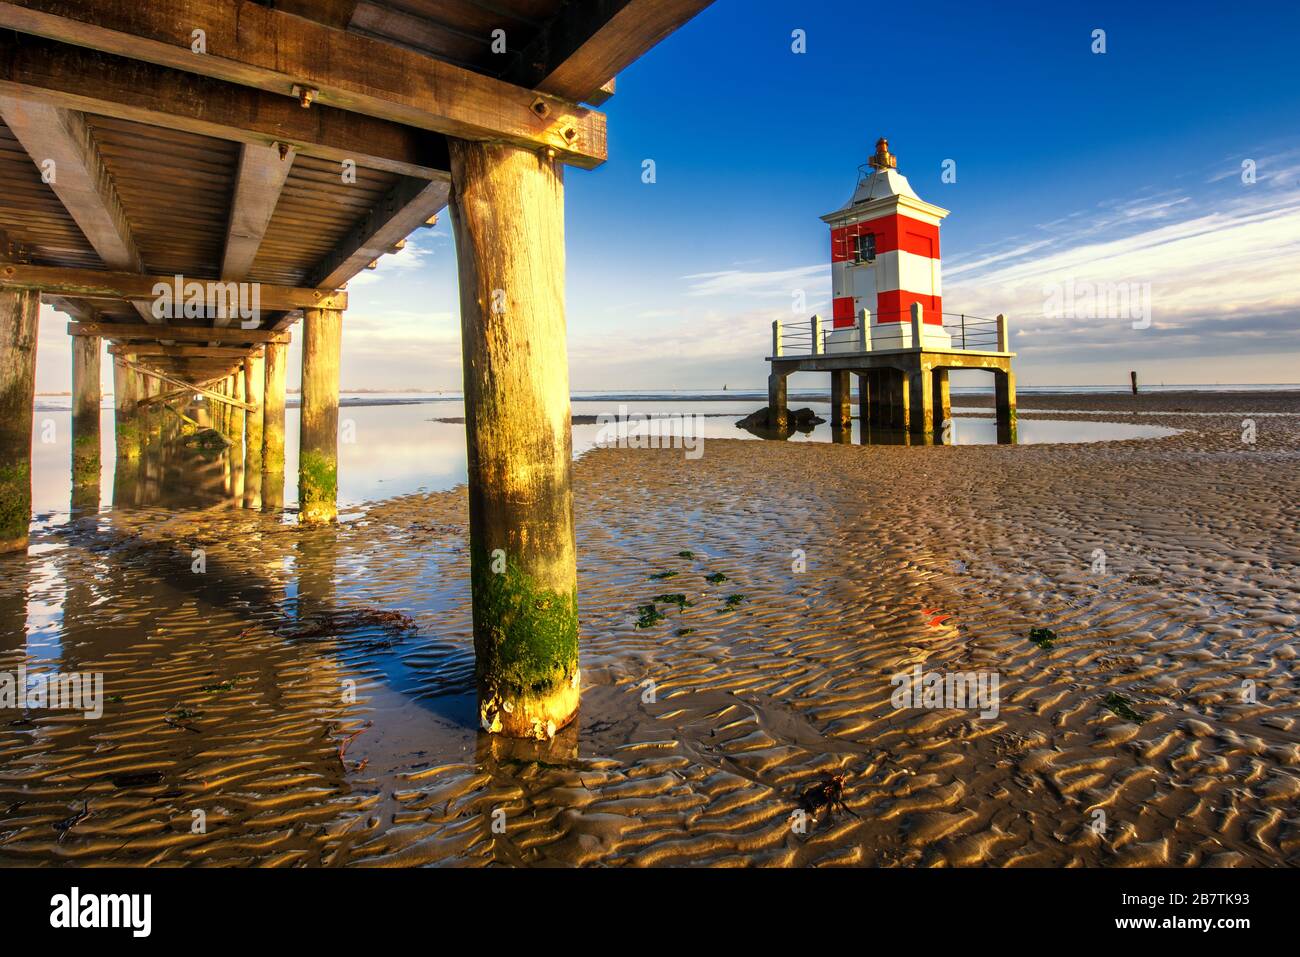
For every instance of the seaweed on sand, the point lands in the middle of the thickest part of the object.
(650, 616)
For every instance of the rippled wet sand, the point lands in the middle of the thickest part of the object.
(268, 694)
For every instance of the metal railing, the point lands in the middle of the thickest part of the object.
(816, 336)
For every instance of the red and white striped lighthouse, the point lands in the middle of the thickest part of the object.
(884, 258)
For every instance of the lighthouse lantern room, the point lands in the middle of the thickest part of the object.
(884, 258)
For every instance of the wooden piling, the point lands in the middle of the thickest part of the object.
(254, 390)
(18, 329)
(273, 397)
(86, 399)
(126, 421)
(508, 214)
(318, 433)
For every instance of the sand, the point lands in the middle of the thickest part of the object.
(236, 734)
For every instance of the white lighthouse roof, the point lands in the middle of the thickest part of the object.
(881, 188)
(882, 184)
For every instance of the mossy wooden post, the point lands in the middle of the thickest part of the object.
(254, 389)
(508, 213)
(1004, 387)
(237, 450)
(126, 421)
(18, 322)
(86, 399)
(318, 431)
(276, 362)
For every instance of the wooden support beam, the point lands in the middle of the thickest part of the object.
(508, 214)
(277, 360)
(332, 13)
(125, 330)
(59, 141)
(318, 434)
(86, 399)
(18, 333)
(184, 352)
(590, 41)
(94, 284)
(258, 182)
(77, 176)
(126, 427)
(250, 44)
(254, 392)
(179, 383)
(406, 207)
(40, 70)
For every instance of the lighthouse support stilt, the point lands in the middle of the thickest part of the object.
(942, 401)
(1004, 387)
(777, 413)
(920, 402)
(841, 400)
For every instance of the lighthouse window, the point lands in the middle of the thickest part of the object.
(864, 250)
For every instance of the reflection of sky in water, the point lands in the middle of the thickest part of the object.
(391, 450)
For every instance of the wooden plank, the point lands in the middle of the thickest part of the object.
(332, 13)
(44, 71)
(590, 41)
(127, 330)
(93, 284)
(249, 44)
(185, 352)
(261, 176)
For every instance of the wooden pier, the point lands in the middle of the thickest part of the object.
(188, 178)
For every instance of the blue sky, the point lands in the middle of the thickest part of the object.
(1075, 170)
